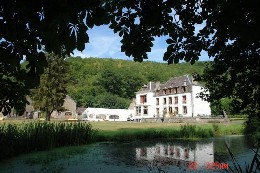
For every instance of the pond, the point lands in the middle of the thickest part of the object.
(207, 155)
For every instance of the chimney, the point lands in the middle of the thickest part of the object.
(157, 85)
(150, 85)
(185, 83)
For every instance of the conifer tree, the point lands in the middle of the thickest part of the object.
(51, 92)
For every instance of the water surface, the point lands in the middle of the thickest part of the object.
(139, 156)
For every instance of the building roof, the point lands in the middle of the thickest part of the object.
(80, 110)
(185, 80)
(151, 86)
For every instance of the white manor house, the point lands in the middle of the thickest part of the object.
(178, 97)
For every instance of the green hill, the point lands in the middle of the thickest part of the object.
(112, 83)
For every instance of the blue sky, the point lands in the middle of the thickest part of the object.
(103, 43)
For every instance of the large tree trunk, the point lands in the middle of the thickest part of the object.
(48, 115)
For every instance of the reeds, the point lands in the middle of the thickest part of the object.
(251, 166)
(185, 131)
(34, 136)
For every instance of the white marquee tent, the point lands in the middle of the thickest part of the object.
(104, 114)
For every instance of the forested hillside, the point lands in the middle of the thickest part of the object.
(112, 83)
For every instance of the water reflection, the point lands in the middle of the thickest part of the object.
(149, 156)
(207, 155)
(176, 154)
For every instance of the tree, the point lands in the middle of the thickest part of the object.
(51, 92)
(108, 100)
(112, 82)
(123, 83)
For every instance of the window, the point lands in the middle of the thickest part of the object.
(157, 101)
(171, 150)
(170, 110)
(145, 110)
(143, 99)
(101, 116)
(186, 153)
(158, 150)
(164, 101)
(184, 99)
(157, 111)
(165, 150)
(184, 89)
(164, 111)
(68, 113)
(143, 152)
(165, 92)
(177, 151)
(175, 100)
(170, 100)
(176, 110)
(84, 116)
(113, 117)
(184, 109)
(175, 90)
(138, 111)
(91, 115)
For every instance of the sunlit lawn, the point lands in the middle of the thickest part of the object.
(234, 127)
(114, 126)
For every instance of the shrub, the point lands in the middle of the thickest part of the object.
(216, 129)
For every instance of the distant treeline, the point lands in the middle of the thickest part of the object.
(112, 83)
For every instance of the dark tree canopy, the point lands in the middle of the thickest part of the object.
(226, 29)
(28, 29)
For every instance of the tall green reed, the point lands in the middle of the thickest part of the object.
(250, 166)
(185, 131)
(33, 136)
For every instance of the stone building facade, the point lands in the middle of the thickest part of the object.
(69, 105)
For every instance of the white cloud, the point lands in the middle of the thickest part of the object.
(104, 43)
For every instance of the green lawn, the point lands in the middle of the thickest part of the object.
(234, 127)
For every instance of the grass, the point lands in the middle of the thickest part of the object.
(128, 131)
(233, 128)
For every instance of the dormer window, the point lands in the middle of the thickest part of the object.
(175, 90)
(184, 88)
